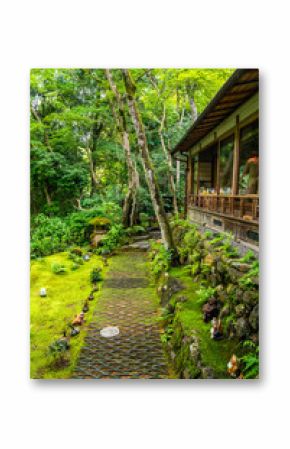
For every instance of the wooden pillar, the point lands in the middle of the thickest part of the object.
(187, 187)
(236, 161)
(218, 176)
(197, 180)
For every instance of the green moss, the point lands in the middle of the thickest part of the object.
(215, 354)
(50, 315)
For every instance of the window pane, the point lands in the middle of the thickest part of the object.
(249, 159)
(226, 164)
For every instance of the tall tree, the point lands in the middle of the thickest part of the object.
(129, 207)
(151, 180)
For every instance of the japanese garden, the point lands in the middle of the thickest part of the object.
(144, 224)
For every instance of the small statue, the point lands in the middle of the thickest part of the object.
(74, 331)
(233, 366)
(216, 330)
(79, 319)
(105, 261)
(62, 344)
(91, 296)
(210, 309)
(42, 292)
(86, 307)
(86, 257)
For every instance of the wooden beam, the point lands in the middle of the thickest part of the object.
(236, 161)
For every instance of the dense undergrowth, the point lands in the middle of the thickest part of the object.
(211, 269)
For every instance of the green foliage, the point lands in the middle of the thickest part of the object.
(248, 257)
(160, 259)
(204, 293)
(144, 219)
(112, 239)
(96, 275)
(248, 279)
(250, 361)
(48, 235)
(57, 347)
(58, 268)
(135, 230)
(76, 251)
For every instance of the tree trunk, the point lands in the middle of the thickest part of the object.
(193, 109)
(94, 182)
(169, 164)
(96, 131)
(45, 134)
(129, 207)
(147, 165)
(47, 195)
(177, 175)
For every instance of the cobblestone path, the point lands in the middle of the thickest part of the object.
(129, 302)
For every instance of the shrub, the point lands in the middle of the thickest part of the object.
(135, 230)
(58, 268)
(112, 239)
(95, 275)
(160, 259)
(144, 219)
(250, 361)
(77, 251)
(48, 235)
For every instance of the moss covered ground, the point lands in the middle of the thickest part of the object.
(215, 354)
(49, 316)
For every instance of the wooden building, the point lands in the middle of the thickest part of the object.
(222, 154)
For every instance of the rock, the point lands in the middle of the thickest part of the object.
(254, 318)
(240, 310)
(225, 311)
(242, 328)
(42, 292)
(255, 280)
(172, 355)
(231, 289)
(171, 287)
(208, 260)
(255, 338)
(220, 267)
(194, 347)
(244, 267)
(210, 309)
(207, 372)
(222, 295)
(186, 374)
(250, 298)
(143, 245)
(138, 238)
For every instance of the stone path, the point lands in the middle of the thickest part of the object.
(129, 302)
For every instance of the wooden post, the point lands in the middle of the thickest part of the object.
(218, 176)
(236, 162)
(197, 181)
(187, 190)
